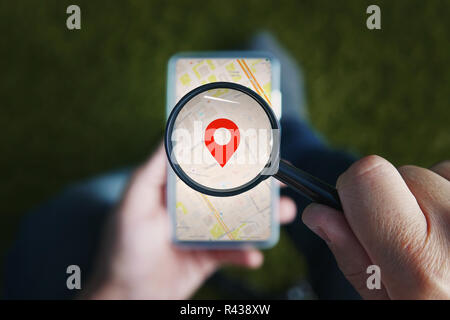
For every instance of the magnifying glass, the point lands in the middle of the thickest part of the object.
(223, 139)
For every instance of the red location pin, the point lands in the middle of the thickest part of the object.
(222, 153)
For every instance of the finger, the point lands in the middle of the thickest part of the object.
(288, 210)
(154, 169)
(146, 185)
(431, 191)
(250, 258)
(385, 218)
(152, 175)
(442, 169)
(352, 259)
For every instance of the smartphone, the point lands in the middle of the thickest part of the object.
(247, 219)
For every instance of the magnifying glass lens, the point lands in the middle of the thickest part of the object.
(220, 140)
(223, 139)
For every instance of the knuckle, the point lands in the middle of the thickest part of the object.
(415, 176)
(442, 164)
(442, 168)
(408, 172)
(363, 168)
(408, 169)
(368, 164)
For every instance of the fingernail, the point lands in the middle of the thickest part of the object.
(321, 233)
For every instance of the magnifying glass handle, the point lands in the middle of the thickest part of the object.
(307, 185)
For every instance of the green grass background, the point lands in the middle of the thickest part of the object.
(77, 103)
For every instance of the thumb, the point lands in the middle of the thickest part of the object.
(153, 172)
(146, 188)
(352, 259)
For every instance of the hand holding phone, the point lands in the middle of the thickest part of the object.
(140, 260)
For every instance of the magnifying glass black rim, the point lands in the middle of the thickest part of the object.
(171, 122)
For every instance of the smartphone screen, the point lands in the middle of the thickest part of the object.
(199, 219)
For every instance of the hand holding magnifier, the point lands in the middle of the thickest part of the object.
(247, 154)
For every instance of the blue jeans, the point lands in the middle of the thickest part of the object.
(327, 164)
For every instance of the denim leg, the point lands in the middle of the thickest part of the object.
(291, 84)
(65, 231)
(304, 149)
